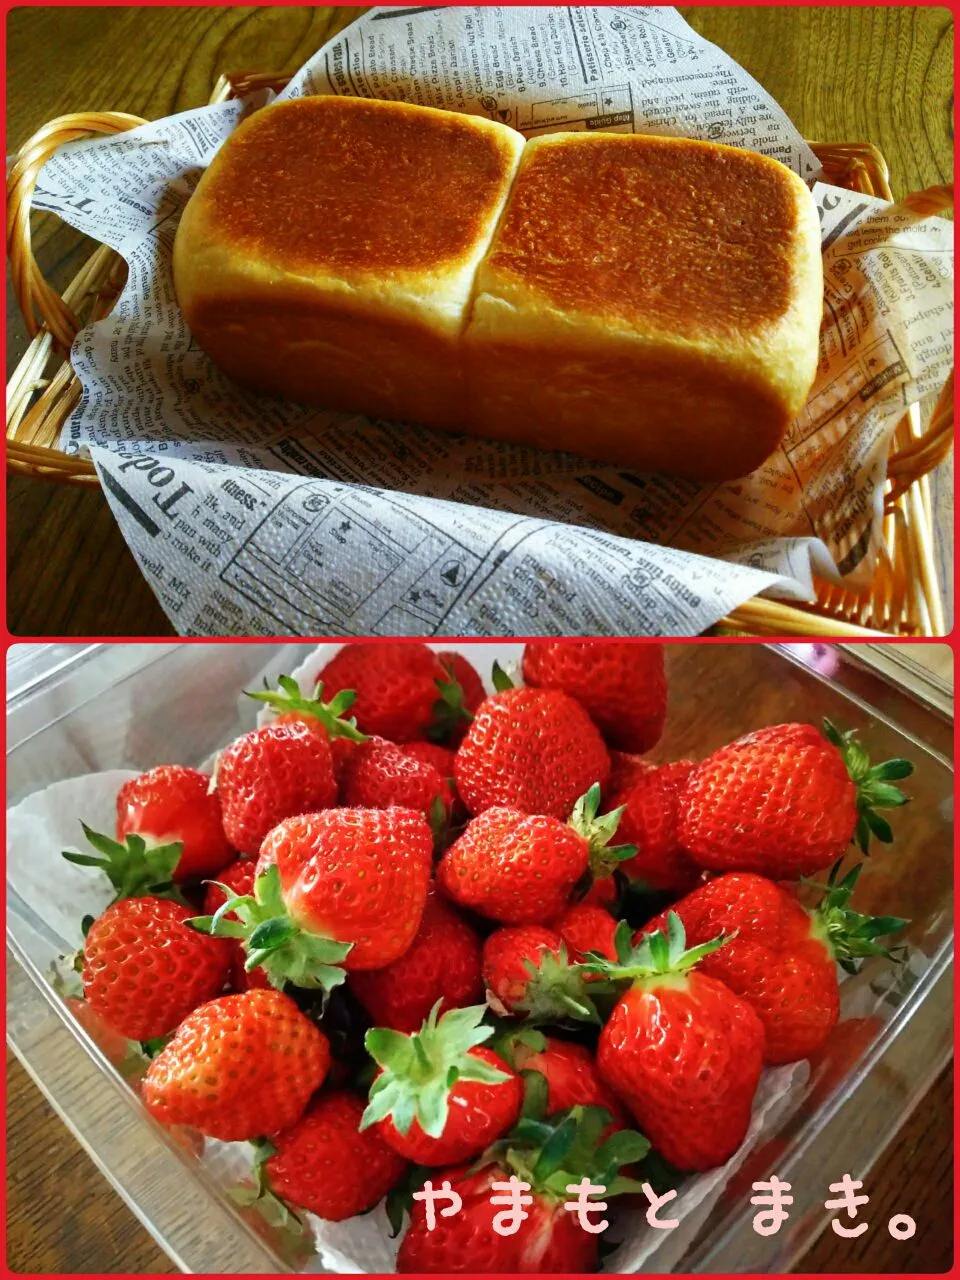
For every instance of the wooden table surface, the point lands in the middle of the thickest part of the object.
(882, 75)
(62, 1217)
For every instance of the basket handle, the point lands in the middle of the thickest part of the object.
(41, 305)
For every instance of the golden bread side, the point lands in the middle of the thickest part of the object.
(654, 302)
(329, 251)
(663, 295)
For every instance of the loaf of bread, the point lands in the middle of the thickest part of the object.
(654, 302)
(329, 252)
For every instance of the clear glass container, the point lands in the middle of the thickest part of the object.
(72, 709)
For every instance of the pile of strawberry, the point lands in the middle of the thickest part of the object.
(458, 937)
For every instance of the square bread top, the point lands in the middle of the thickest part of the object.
(649, 237)
(390, 203)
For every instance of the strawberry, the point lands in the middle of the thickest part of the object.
(270, 774)
(334, 891)
(625, 770)
(585, 928)
(535, 750)
(403, 690)
(548, 1154)
(442, 964)
(324, 1164)
(170, 805)
(783, 958)
(621, 683)
(521, 868)
(238, 878)
(442, 759)
(379, 774)
(238, 1067)
(440, 1096)
(786, 801)
(650, 820)
(682, 1051)
(526, 970)
(568, 1071)
(143, 970)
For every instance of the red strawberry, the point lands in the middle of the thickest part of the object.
(173, 804)
(325, 1165)
(380, 774)
(340, 890)
(521, 868)
(568, 1070)
(786, 801)
(783, 959)
(526, 970)
(513, 866)
(441, 1097)
(442, 964)
(650, 819)
(270, 774)
(535, 750)
(238, 1067)
(549, 1239)
(682, 1051)
(238, 878)
(621, 683)
(442, 759)
(625, 770)
(602, 893)
(143, 970)
(584, 928)
(396, 684)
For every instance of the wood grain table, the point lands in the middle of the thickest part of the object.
(882, 75)
(62, 1216)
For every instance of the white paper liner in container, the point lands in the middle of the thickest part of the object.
(60, 894)
(254, 516)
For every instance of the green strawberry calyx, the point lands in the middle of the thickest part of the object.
(554, 1152)
(874, 785)
(287, 698)
(136, 869)
(272, 940)
(555, 992)
(550, 1154)
(657, 956)
(449, 711)
(598, 830)
(849, 935)
(418, 1071)
(272, 1208)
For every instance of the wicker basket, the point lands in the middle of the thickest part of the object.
(903, 599)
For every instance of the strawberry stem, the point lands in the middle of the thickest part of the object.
(849, 935)
(874, 785)
(272, 940)
(449, 711)
(656, 955)
(598, 830)
(288, 698)
(418, 1071)
(134, 868)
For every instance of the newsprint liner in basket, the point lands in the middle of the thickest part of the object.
(464, 537)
